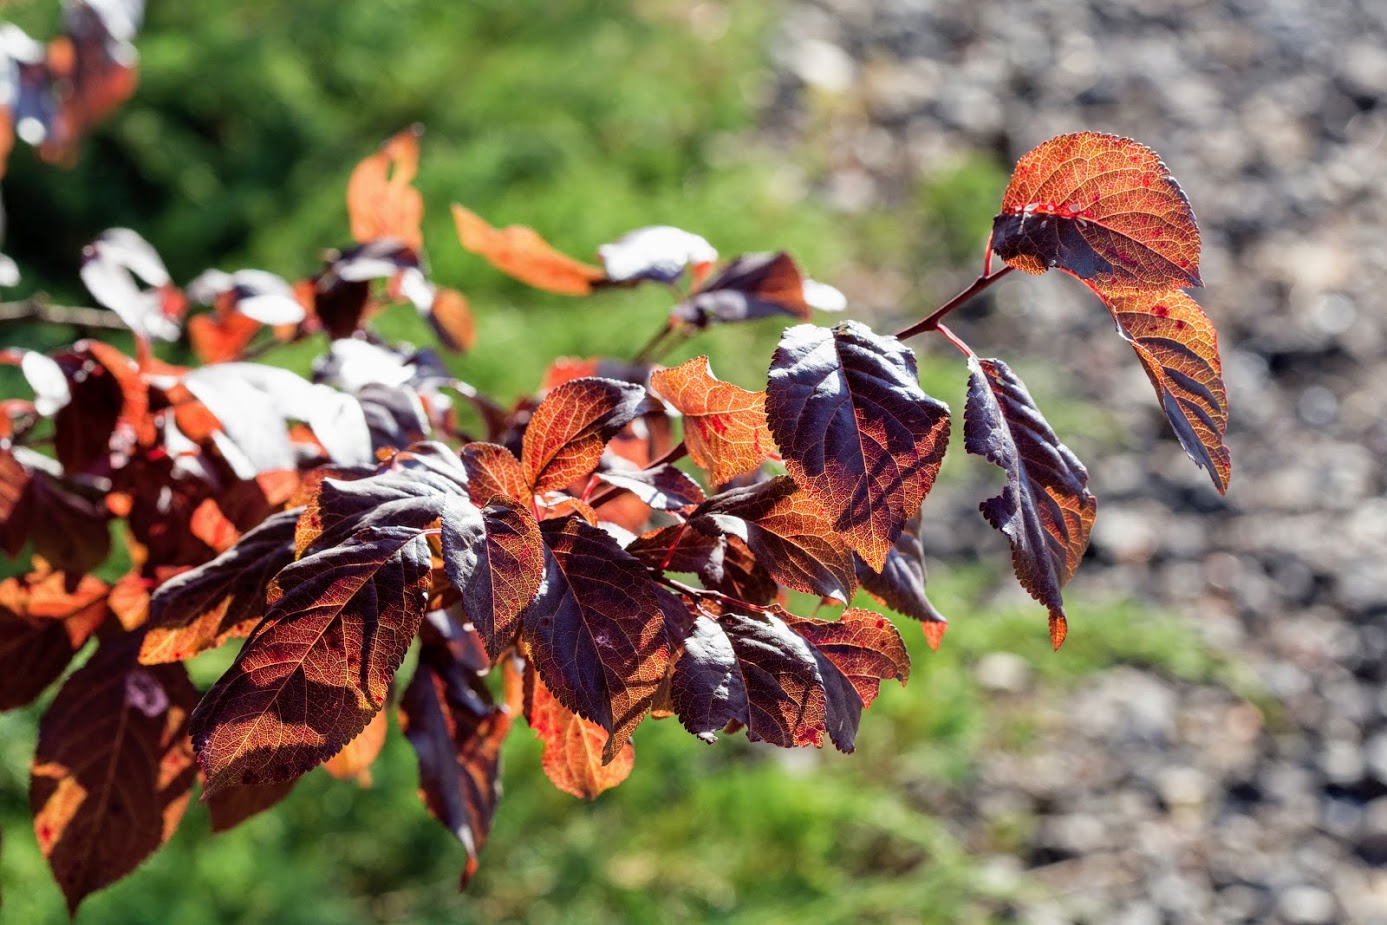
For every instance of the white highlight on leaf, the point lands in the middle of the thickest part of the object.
(51, 390)
(824, 297)
(657, 252)
(110, 265)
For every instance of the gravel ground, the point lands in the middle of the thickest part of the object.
(1159, 800)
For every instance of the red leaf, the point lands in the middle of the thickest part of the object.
(574, 757)
(1178, 348)
(113, 769)
(786, 532)
(221, 337)
(341, 508)
(383, 204)
(319, 667)
(724, 426)
(68, 531)
(231, 806)
(1104, 209)
(901, 582)
(448, 716)
(751, 286)
(494, 556)
(14, 485)
(595, 631)
(494, 472)
(564, 440)
(1045, 510)
(863, 645)
(858, 434)
(220, 600)
(42, 626)
(354, 761)
(520, 252)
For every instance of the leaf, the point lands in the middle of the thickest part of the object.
(1178, 347)
(662, 487)
(255, 294)
(109, 267)
(341, 508)
(42, 626)
(382, 203)
(595, 630)
(901, 582)
(1101, 207)
(660, 253)
(14, 511)
(725, 427)
(110, 403)
(520, 252)
(862, 644)
(857, 432)
(231, 806)
(223, 599)
(354, 761)
(448, 717)
(750, 287)
(1045, 509)
(68, 530)
(574, 757)
(494, 556)
(566, 433)
(451, 319)
(678, 549)
(787, 533)
(494, 472)
(222, 336)
(113, 770)
(319, 667)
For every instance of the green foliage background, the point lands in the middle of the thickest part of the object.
(584, 120)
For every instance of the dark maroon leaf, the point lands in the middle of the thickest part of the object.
(42, 626)
(740, 574)
(901, 582)
(663, 487)
(1045, 510)
(751, 286)
(596, 631)
(390, 499)
(857, 433)
(494, 556)
(231, 806)
(788, 534)
(679, 548)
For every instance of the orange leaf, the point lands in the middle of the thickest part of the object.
(386, 205)
(567, 432)
(452, 320)
(1178, 347)
(494, 472)
(520, 252)
(1101, 207)
(129, 601)
(724, 426)
(573, 746)
(221, 337)
(354, 761)
(113, 768)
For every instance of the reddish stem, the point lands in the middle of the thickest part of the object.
(669, 556)
(931, 323)
(957, 341)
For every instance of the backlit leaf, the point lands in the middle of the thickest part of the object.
(520, 252)
(1103, 208)
(42, 626)
(494, 556)
(574, 757)
(750, 287)
(787, 532)
(221, 337)
(113, 770)
(319, 667)
(457, 732)
(595, 631)
(222, 599)
(857, 432)
(494, 472)
(381, 199)
(567, 432)
(725, 427)
(901, 582)
(1178, 348)
(862, 644)
(1045, 509)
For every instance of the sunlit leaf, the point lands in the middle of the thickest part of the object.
(318, 668)
(494, 556)
(663, 487)
(750, 287)
(113, 770)
(494, 472)
(575, 759)
(42, 626)
(567, 432)
(381, 199)
(1103, 208)
(1045, 509)
(857, 432)
(520, 252)
(452, 320)
(725, 427)
(660, 253)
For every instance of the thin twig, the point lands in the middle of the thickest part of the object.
(929, 324)
(38, 308)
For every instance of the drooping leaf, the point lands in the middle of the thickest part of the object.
(575, 759)
(319, 666)
(725, 427)
(520, 252)
(663, 487)
(381, 201)
(1103, 208)
(222, 599)
(788, 533)
(42, 626)
(750, 287)
(660, 253)
(231, 806)
(1045, 509)
(451, 319)
(457, 732)
(857, 432)
(595, 630)
(1178, 347)
(494, 472)
(566, 433)
(863, 645)
(354, 761)
(113, 770)
(901, 582)
(494, 556)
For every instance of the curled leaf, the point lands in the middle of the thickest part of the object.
(381, 199)
(520, 252)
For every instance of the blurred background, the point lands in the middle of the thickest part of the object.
(1210, 745)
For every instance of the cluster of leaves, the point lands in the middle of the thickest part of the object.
(336, 524)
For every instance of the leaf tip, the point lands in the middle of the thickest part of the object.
(1059, 629)
(934, 634)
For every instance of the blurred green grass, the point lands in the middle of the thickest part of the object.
(583, 120)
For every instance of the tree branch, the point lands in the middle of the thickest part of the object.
(38, 308)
